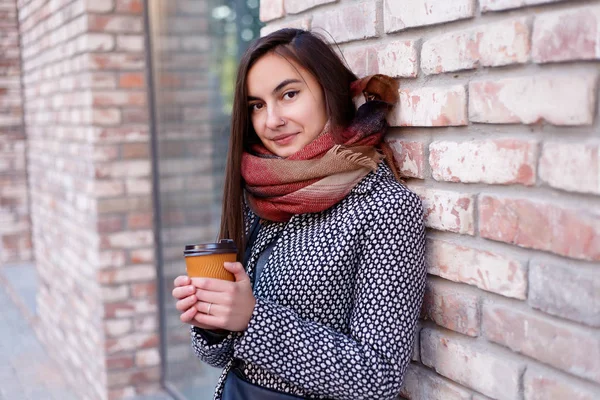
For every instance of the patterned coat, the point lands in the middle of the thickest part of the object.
(338, 300)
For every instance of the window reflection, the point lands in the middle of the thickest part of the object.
(196, 48)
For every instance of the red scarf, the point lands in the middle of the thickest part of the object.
(324, 171)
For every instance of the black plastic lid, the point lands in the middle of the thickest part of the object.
(222, 247)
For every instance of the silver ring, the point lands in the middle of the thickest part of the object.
(208, 310)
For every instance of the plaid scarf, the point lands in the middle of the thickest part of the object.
(324, 171)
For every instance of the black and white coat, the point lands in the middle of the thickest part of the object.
(338, 300)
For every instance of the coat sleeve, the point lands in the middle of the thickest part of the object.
(370, 361)
(212, 350)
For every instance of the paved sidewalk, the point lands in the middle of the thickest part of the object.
(26, 371)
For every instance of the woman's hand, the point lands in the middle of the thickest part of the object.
(184, 293)
(231, 303)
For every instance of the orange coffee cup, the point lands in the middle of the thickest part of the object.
(206, 260)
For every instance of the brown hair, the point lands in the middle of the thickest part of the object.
(317, 57)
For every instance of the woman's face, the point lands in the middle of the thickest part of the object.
(287, 104)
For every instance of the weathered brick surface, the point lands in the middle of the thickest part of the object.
(559, 99)
(471, 364)
(271, 9)
(501, 161)
(432, 106)
(410, 157)
(404, 14)
(15, 225)
(565, 290)
(544, 383)
(452, 306)
(562, 345)
(351, 21)
(447, 211)
(492, 45)
(567, 35)
(561, 165)
(486, 270)
(570, 232)
(422, 383)
(86, 102)
(297, 6)
(497, 5)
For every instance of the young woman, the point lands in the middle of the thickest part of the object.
(327, 297)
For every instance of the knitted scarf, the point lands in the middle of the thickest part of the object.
(324, 171)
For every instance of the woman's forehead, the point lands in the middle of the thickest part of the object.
(269, 71)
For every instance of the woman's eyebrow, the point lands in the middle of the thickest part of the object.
(278, 87)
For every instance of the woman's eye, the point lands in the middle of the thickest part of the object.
(255, 107)
(290, 95)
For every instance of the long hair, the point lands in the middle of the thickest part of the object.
(313, 54)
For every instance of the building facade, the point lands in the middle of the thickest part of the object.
(113, 128)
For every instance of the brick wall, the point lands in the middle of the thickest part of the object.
(497, 131)
(15, 227)
(90, 187)
(189, 121)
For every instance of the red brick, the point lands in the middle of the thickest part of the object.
(147, 357)
(120, 361)
(568, 232)
(118, 61)
(422, 383)
(99, 5)
(403, 14)
(132, 80)
(140, 220)
(446, 210)
(296, 23)
(564, 346)
(489, 45)
(118, 98)
(561, 166)
(137, 273)
(397, 59)
(271, 9)
(109, 224)
(566, 291)
(410, 157)
(497, 5)
(567, 35)
(349, 22)
(114, 23)
(499, 161)
(488, 271)
(126, 309)
(135, 150)
(452, 306)
(298, 6)
(544, 384)
(140, 290)
(432, 106)
(472, 364)
(141, 256)
(130, 6)
(558, 99)
(357, 59)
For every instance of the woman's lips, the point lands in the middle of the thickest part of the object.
(282, 140)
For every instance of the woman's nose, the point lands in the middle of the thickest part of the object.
(274, 119)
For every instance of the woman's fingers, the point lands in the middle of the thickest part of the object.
(213, 297)
(186, 303)
(182, 280)
(214, 285)
(188, 315)
(183, 291)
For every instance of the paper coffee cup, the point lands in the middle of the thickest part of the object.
(206, 260)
